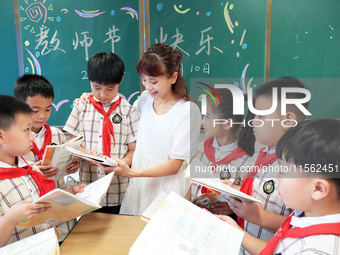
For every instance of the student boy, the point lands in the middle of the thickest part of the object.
(309, 182)
(108, 125)
(38, 93)
(18, 181)
(262, 221)
(21, 211)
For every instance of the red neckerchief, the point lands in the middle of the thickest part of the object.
(47, 141)
(210, 153)
(45, 185)
(287, 232)
(107, 124)
(247, 186)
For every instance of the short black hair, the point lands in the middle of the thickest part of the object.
(284, 82)
(10, 107)
(315, 143)
(30, 85)
(105, 68)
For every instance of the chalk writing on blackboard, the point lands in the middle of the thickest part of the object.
(45, 43)
(48, 41)
(59, 104)
(132, 12)
(37, 13)
(89, 14)
(243, 45)
(130, 97)
(204, 44)
(177, 9)
(36, 64)
(112, 37)
(207, 34)
(86, 43)
(227, 17)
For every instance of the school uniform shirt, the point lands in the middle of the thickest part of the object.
(264, 189)
(316, 244)
(86, 120)
(15, 190)
(58, 137)
(235, 170)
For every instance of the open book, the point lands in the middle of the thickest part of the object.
(215, 185)
(153, 207)
(45, 242)
(102, 160)
(66, 206)
(57, 155)
(180, 227)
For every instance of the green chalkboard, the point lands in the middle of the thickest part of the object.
(219, 39)
(305, 43)
(9, 70)
(58, 38)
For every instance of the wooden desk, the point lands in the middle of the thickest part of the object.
(100, 233)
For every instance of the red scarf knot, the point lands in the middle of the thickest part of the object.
(107, 124)
(47, 141)
(210, 153)
(287, 232)
(45, 185)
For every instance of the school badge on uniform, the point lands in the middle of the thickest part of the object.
(116, 119)
(269, 187)
(225, 174)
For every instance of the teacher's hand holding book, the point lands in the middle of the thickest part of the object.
(122, 169)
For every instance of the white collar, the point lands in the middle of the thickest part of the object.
(268, 150)
(112, 101)
(21, 163)
(226, 148)
(41, 132)
(308, 221)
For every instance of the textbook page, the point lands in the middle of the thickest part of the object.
(153, 207)
(180, 227)
(66, 206)
(57, 155)
(45, 242)
(102, 160)
(95, 191)
(214, 184)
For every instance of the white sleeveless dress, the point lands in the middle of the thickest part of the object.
(161, 137)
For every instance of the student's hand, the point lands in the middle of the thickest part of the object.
(105, 168)
(48, 170)
(122, 169)
(229, 220)
(25, 210)
(84, 99)
(220, 208)
(93, 153)
(229, 183)
(76, 188)
(250, 211)
(73, 167)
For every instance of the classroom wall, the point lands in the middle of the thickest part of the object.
(9, 70)
(248, 42)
